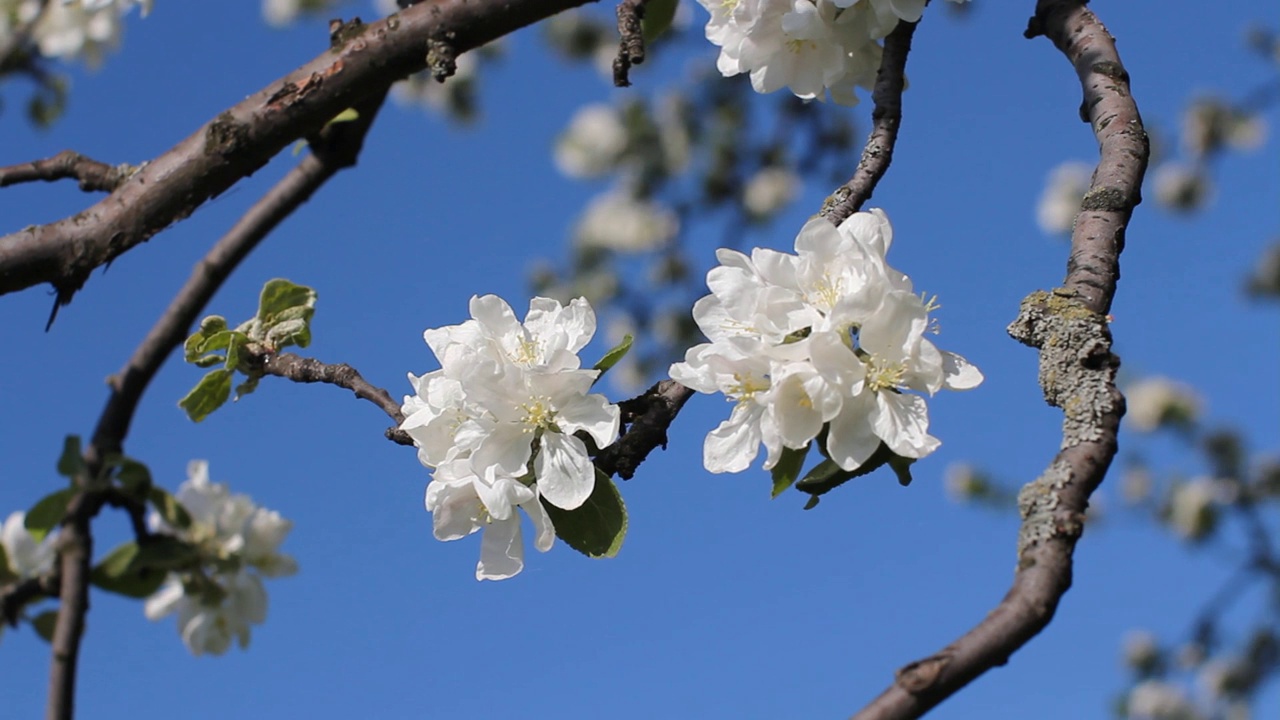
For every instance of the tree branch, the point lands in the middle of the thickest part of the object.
(333, 148)
(309, 370)
(364, 59)
(1077, 373)
(630, 40)
(645, 421)
(16, 595)
(93, 175)
(885, 119)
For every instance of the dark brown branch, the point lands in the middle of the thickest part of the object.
(630, 40)
(645, 420)
(244, 137)
(885, 120)
(309, 370)
(1077, 373)
(16, 595)
(333, 148)
(93, 175)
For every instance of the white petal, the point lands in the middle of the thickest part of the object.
(958, 373)
(733, 445)
(506, 449)
(565, 474)
(544, 531)
(852, 439)
(592, 413)
(165, 600)
(902, 421)
(501, 550)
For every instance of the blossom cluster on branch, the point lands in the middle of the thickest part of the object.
(497, 422)
(237, 543)
(826, 342)
(68, 28)
(813, 47)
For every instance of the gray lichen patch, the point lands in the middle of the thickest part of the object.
(225, 135)
(1077, 368)
(1038, 504)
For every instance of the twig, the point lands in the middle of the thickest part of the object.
(309, 370)
(93, 175)
(885, 119)
(1077, 373)
(647, 418)
(244, 137)
(334, 147)
(15, 595)
(630, 40)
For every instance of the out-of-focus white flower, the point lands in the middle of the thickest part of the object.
(239, 543)
(71, 28)
(423, 90)
(1157, 700)
(279, 13)
(496, 424)
(27, 558)
(1136, 484)
(617, 221)
(769, 190)
(962, 481)
(592, 143)
(1191, 509)
(1155, 402)
(1141, 650)
(1060, 201)
(1182, 188)
(831, 336)
(1209, 124)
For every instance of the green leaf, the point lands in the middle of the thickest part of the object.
(208, 395)
(71, 462)
(612, 357)
(598, 527)
(827, 475)
(47, 513)
(658, 15)
(134, 477)
(171, 511)
(202, 340)
(280, 295)
(345, 116)
(249, 385)
(164, 553)
(788, 468)
(44, 624)
(116, 573)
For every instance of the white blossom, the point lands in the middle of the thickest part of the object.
(1157, 401)
(593, 142)
(831, 336)
(69, 28)
(1060, 201)
(239, 544)
(279, 13)
(1191, 509)
(27, 557)
(769, 190)
(615, 220)
(497, 422)
(1159, 700)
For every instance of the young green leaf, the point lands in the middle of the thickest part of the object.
(117, 573)
(71, 462)
(598, 527)
(612, 357)
(47, 513)
(134, 477)
(280, 295)
(208, 395)
(788, 468)
(201, 341)
(827, 475)
(171, 511)
(658, 15)
(44, 624)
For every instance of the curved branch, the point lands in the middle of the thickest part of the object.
(92, 174)
(364, 59)
(309, 370)
(646, 419)
(333, 148)
(1077, 373)
(885, 119)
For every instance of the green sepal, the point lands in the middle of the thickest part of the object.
(612, 357)
(7, 575)
(598, 527)
(44, 624)
(71, 461)
(827, 475)
(658, 15)
(788, 468)
(47, 513)
(171, 511)
(208, 395)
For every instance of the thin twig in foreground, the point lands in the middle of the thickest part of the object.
(309, 370)
(92, 174)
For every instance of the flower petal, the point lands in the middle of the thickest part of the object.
(565, 474)
(501, 550)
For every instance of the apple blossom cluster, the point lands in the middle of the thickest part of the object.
(23, 556)
(68, 28)
(238, 544)
(830, 337)
(496, 424)
(810, 46)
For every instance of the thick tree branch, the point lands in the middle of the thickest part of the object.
(309, 370)
(243, 138)
(1077, 373)
(333, 148)
(885, 119)
(93, 175)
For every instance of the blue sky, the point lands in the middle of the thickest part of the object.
(722, 604)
